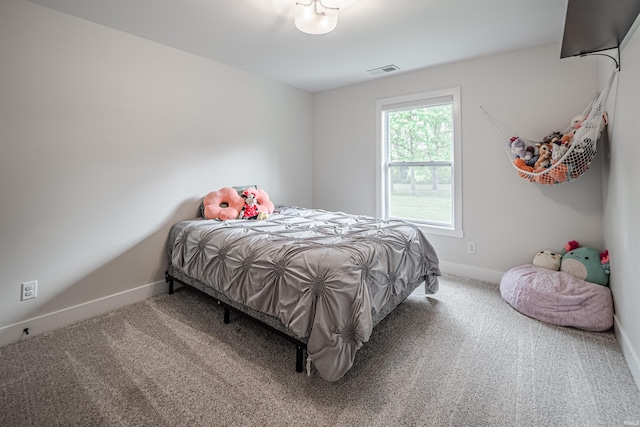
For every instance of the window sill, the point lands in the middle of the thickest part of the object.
(441, 231)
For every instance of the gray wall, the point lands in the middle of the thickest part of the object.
(507, 217)
(107, 139)
(622, 204)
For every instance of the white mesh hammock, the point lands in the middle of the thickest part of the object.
(567, 156)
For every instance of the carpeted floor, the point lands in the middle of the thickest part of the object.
(460, 357)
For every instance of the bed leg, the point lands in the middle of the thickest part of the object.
(169, 280)
(299, 357)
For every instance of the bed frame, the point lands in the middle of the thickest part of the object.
(264, 320)
(271, 323)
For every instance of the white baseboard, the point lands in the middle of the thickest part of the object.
(628, 351)
(57, 319)
(470, 272)
(50, 321)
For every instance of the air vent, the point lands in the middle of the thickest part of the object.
(383, 70)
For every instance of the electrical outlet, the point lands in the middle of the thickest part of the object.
(29, 290)
(471, 247)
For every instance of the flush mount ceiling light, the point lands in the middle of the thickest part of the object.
(316, 16)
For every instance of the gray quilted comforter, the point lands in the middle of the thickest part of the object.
(323, 274)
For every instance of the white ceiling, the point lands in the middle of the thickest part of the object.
(259, 35)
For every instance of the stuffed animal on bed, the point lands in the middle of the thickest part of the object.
(250, 208)
(585, 263)
(264, 203)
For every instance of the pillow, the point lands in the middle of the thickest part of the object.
(240, 188)
(222, 204)
(558, 298)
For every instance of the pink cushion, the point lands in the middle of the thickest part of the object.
(558, 298)
(223, 204)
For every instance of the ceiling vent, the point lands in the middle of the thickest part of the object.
(383, 70)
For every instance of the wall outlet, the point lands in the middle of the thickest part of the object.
(471, 247)
(29, 290)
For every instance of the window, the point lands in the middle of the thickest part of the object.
(419, 173)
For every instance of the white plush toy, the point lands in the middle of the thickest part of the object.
(519, 148)
(559, 150)
(547, 259)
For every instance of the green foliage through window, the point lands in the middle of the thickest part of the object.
(420, 147)
(421, 134)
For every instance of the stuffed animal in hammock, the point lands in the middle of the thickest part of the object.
(559, 150)
(545, 157)
(519, 148)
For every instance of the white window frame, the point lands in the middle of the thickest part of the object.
(382, 171)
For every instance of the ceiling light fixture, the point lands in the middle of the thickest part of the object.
(315, 17)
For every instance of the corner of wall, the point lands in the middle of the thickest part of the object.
(627, 350)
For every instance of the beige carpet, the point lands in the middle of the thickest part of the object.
(460, 357)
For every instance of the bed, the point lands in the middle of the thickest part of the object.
(322, 279)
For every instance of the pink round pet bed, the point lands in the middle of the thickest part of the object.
(558, 298)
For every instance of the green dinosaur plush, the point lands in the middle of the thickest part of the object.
(584, 263)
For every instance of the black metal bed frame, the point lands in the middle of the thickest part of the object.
(300, 346)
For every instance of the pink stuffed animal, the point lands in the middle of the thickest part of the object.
(222, 204)
(576, 121)
(264, 204)
(250, 209)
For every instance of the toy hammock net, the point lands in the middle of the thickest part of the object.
(562, 156)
